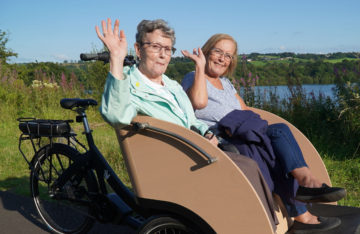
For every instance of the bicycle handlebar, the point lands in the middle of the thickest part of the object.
(105, 57)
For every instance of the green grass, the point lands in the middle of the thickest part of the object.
(258, 63)
(345, 173)
(14, 171)
(263, 62)
(339, 60)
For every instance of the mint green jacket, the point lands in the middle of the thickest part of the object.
(123, 99)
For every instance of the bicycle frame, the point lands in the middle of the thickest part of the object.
(93, 160)
(120, 207)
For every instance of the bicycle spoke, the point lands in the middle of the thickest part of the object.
(65, 209)
(60, 162)
(52, 166)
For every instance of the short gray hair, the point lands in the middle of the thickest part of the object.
(148, 26)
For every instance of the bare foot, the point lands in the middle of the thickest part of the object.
(307, 218)
(305, 178)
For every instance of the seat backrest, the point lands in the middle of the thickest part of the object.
(164, 168)
(311, 155)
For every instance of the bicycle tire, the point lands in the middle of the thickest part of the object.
(58, 209)
(164, 225)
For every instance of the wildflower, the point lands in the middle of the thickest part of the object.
(64, 84)
(4, 79)
(253, 82)
(243, 81)
(73, 80)
(37, 84)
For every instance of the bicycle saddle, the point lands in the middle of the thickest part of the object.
(70, 103)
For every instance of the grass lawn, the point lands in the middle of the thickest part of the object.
(346, 174)
(339, 60)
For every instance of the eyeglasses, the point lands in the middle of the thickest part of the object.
(218, 53)
(156, 48)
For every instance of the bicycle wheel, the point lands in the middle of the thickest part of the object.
(66, 209)
(164, 225)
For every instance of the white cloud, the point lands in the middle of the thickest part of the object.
(282, 47)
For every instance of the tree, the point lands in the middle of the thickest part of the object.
(5, 53)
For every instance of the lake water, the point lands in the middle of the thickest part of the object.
(283, 91)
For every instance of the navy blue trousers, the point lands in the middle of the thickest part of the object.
(288, 157)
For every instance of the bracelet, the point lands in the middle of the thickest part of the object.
(207, 132)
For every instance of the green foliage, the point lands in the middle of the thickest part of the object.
(272, 69)
(177, 70)
(39, 98)
(5, 53)
(92, 76)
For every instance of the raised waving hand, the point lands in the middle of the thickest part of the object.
(197, 93)
(115, 41)
(197, 56)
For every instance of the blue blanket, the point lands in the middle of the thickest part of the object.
(247, 131)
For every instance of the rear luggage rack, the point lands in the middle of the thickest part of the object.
(34, 130)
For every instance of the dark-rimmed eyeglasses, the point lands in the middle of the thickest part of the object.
(218, 53)
(156, 48)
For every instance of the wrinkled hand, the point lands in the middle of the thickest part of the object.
(115, 42)
(212, 138)
(197, 56)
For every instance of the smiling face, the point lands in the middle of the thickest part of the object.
(217, 63)
(153, 64)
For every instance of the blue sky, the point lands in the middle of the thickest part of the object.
(49, 30)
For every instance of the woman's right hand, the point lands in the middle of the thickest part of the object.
(197, 56)
(116, 44)
(197, 93)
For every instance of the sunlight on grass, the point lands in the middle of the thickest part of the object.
(345, 173)
(14, 172)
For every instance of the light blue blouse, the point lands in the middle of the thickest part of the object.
(220, 102)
